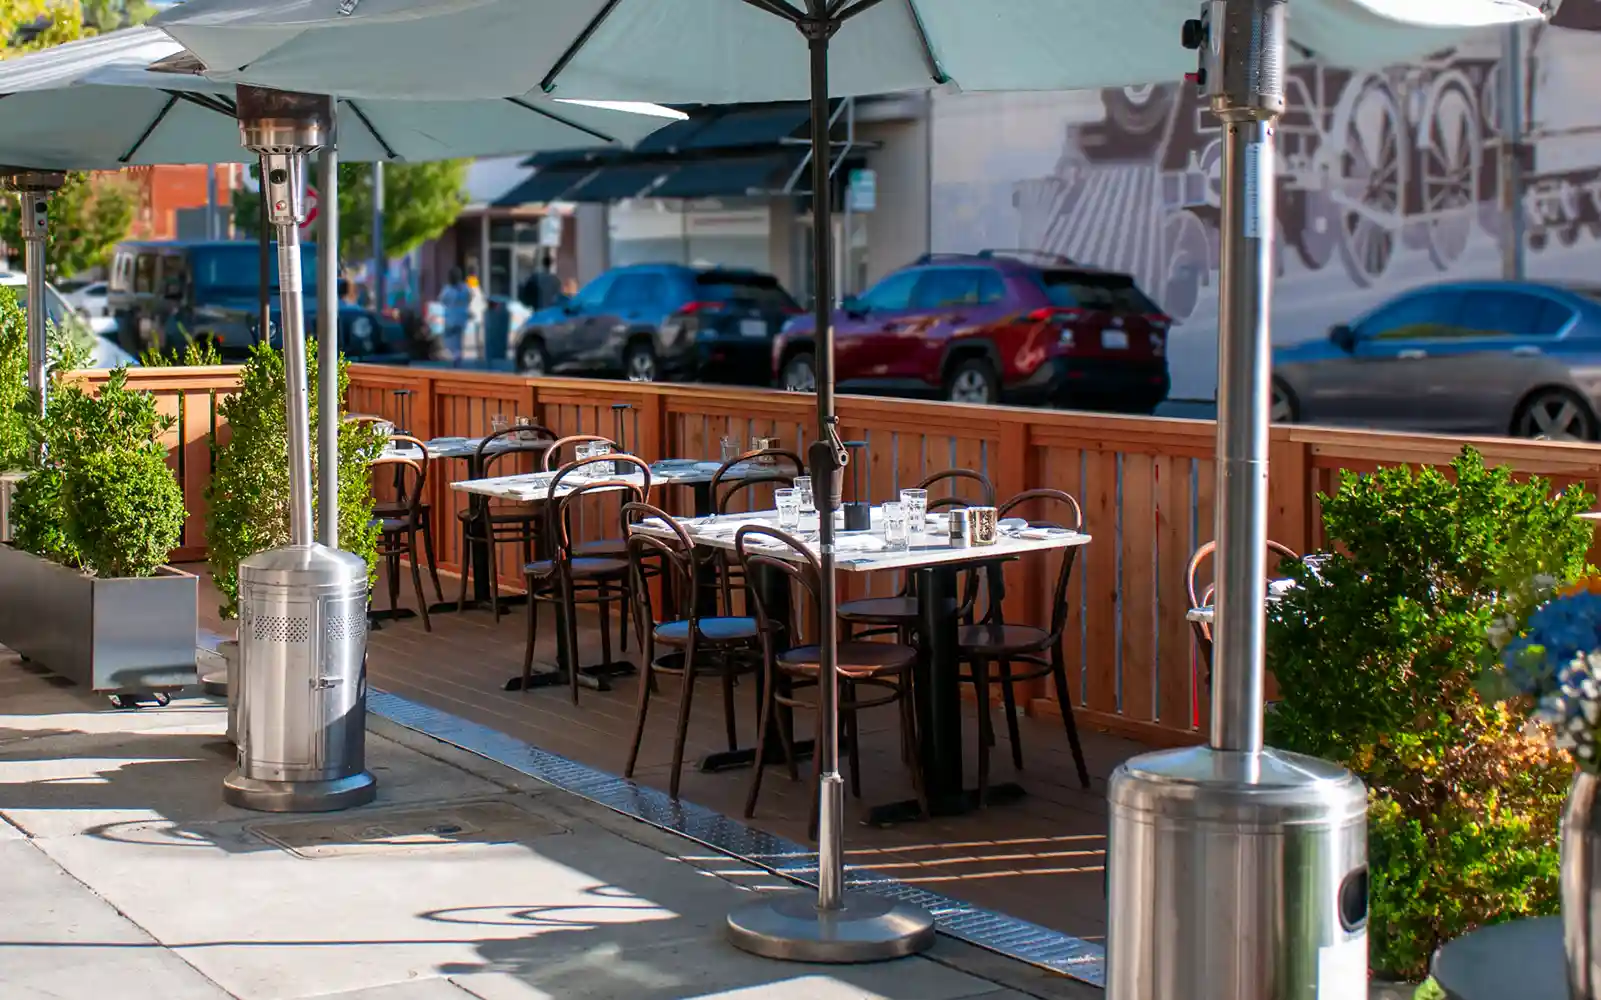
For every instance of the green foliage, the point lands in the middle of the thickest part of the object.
(1377, 658)
(102, 499)
(249, 491)
(89, 216)
(14, 395)
(194, 354)
(421, 201)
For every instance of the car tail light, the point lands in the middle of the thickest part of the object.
(694, 308)
(1158, 343)
(1051, 313)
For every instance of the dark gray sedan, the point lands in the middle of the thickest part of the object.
(1485, 357)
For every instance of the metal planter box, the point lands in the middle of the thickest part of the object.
(112, 636)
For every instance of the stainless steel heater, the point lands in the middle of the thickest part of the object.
(35, 187)
(1236, 872)
(301, 689)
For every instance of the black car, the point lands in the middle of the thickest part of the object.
(661, 321)
(166, 294)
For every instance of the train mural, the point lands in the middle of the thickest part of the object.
(1386, 180)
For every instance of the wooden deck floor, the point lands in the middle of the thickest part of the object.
(1040, 859)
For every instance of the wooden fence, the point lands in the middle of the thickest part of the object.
(1146, 485)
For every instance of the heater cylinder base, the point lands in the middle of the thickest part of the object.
(299, 796)
(788, 926)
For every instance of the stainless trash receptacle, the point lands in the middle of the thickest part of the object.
(302, 683)
(1236, 876)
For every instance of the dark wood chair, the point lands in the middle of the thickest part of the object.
(770, 468)
(731, 643)
(1200, 597)
(568, 579)
(487, 523)
(992, 640)
(398, 527)
(397, 507)
(876, 666)
(897, 615)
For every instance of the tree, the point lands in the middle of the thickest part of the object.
(421, 200)
(89, 216)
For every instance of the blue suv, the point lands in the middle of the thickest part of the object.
(661, 321)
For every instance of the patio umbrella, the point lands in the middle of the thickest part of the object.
(747, 50)
(96, 104)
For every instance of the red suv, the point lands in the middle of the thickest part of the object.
(990, 327)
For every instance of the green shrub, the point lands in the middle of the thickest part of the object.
(195, 353)
(102, 499)
(1377, 659)
(16, 399)
(249, 491)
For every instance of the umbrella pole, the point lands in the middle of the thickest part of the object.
(328, 345)
(831, 925)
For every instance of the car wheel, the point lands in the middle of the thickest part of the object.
(799, 374)
(1284, 409)
(639, 362)
(531, 357)
(1554, 415)
(973, 380)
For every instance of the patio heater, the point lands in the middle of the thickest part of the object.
(35, 187)
(302, 607)
(1237, 872)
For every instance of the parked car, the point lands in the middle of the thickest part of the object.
(166, 294)
(103, 352)
(1486, 357)
(661, 321)
(991, 327)
(89, 298)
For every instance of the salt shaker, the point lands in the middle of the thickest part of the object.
(958, 527)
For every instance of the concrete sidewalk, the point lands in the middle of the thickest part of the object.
(126, 878)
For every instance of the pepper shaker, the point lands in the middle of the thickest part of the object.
(958, 527)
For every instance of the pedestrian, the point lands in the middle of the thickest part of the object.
(542, 289)
(456, 301)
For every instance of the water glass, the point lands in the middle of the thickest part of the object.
(916, 504)
(596, 449)
(525, 429)
(730, 448)
(803, 489)
(762, 444)
(788, 502)
(499, 422)
(895, 534)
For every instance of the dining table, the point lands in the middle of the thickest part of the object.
(936, 564)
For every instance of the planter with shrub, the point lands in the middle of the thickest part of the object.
(1377, 659)
(84, 589)
(249, 492)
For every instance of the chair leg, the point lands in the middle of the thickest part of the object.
(686, 696)
(622, 617)
(466, 557)
(1009, 698)
(416, 581)
(569, 607)
(494, 574)
(647, 681)
(392, 571)
(1059, 679)
(730, 726)
(986, 734)
(603, 603)
(853, 736)
(433, 564)
(533, 637)
(764, 723)
(909, 746)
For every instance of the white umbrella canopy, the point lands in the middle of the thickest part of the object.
(95, 104)
(685, 51)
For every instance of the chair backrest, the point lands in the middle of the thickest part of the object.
(953, 480)
(399, 440)
(803, 570)
(725, 487)
(1201, 597)
(569, 446)
(558, 512)
(1068, 514)
(678, 563)
(418, 475)
(529, 439)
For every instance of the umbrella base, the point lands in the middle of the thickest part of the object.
(789, 927)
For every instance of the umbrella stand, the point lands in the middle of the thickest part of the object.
(832, 925)
(34, 187)
(328, 343)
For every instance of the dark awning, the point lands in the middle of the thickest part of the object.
(547, 184)
(567, 157)
(730, 178)
(730, 128)
(619, 181)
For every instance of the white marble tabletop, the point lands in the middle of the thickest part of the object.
(1276, 589)
(530, 487)
(866, 551)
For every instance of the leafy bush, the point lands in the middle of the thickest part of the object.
(102, 499)
(1377, 658)
(67, 352)
(249, 491)
(195, 353)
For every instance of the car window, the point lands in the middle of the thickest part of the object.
(175, 274)
(761, 291)
(144, 274)
(991, 289)
(98, 288)
(1552, 318)
(1113, 293)
(893, 293)
(594, 293)
(946, 288)
(636, 291)
(1427, 314)
(237, 268)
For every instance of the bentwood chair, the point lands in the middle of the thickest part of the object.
(484, 522)
(1200, 597)
(397, 506)
(769, 468)
(398, 527)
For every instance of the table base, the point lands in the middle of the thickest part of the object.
(479, 604)
(959, 804)
(377, 618)
(595, 677)
(733, 760)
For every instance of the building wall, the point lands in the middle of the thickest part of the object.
(898, 228)
(167, 190)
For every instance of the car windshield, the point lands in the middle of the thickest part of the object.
(759, 290)
(1114, 293)
(238, 269)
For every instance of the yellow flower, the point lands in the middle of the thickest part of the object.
(1584, 585)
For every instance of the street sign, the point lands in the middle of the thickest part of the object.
(862, 194)
(311, 207)
(550, 230)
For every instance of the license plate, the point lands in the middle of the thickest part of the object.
(753, 328)
(1114, 340)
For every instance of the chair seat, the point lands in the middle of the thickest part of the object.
(501, 517)
(993, 640)
(712, 629)
(880, 610)
(583, 568)
(856, 659)
(397, 523)
(608, 548)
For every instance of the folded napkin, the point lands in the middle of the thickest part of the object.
(1044, 534)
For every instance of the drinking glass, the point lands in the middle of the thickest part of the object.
(762, 444)
(499, 422)
(788, 502)
(895, 533)
(730, 448)
(803, 489)
(524, 429)
(916, 504)
(596, 449)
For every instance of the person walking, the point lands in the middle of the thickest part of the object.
(542, 289)
(456, 301)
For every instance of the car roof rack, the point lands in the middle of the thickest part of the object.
(1032, 256)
